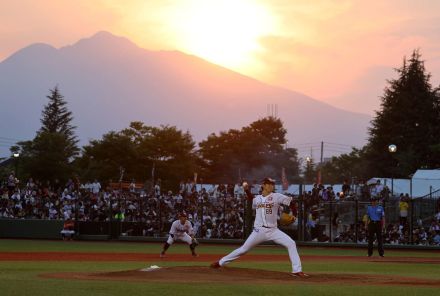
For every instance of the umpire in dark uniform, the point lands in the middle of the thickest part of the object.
(375, 225)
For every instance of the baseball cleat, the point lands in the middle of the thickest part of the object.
(215, 265)
(300, 274)
(162, 254)
(195, 255)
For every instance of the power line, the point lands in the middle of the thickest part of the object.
(308, 148)
(326, 148)
(6, 143)
(326, 144)
(6, 140)
(306, 144)
(339, 151)
(338, 144)
(12, 139)
(336, 147)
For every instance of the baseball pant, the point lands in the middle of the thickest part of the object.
(260, 235)
(183, 237)
(375, 228)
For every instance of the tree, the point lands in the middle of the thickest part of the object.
(102, 159)
(345, 167)
(287, 159)
(410, 119)
(172, 154)
(251, 153)
(57, 119)
(138, 149)
(50, 154)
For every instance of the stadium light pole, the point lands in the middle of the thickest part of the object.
(392, 149)
(16, 156)
(309, 170)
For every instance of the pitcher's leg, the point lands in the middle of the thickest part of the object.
(283, 239)
(257, 236)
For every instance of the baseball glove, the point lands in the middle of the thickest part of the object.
(287, 219)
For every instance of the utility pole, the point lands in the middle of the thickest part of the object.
(322, 151)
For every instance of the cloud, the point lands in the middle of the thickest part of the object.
(332, 51)
(324, 48)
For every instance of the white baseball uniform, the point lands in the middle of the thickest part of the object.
(265, 229)
(181, 232)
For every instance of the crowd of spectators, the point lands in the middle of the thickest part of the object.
(424, 231)
(215, 211)
(360, 191)
(421, 235)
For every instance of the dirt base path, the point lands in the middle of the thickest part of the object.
(228, 275)
(204, 274)
(79, 256)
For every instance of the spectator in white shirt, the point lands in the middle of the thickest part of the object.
(96, 187)
(376, 189)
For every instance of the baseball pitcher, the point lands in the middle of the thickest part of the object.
(266, 206)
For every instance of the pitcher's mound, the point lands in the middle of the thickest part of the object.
(200, 274)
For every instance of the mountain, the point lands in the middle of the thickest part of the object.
(108, 81)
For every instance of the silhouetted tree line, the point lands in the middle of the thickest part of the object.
(146, 153)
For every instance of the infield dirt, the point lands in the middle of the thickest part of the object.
(229, 275)
(204, 274)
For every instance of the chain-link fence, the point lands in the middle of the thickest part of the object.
(230, 217)
(226, 215)
(407, 221)
(222, 216)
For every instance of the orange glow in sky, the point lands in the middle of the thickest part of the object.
(338, 51)
(226, 32)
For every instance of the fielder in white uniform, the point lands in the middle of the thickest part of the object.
(266, 206)
(181, 230)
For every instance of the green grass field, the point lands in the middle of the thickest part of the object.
(22, 277)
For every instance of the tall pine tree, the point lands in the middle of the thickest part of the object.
(49, 155)
(57, 119)
(410, 119)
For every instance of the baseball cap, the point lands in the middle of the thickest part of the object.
(182, 214)
(268, 180)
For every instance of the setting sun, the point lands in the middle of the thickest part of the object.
(225, 32)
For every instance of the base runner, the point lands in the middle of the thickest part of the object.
(265, 227)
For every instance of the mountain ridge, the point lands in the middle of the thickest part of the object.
(109, 81)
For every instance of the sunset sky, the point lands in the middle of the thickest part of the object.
(340, 52)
